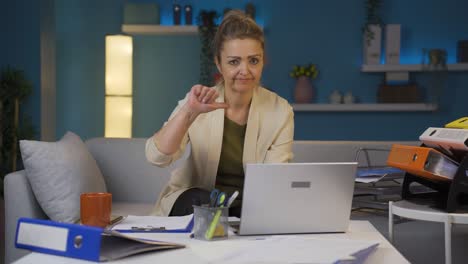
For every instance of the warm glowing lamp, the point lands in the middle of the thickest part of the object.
(118, 115)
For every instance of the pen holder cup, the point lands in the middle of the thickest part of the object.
(210, 223)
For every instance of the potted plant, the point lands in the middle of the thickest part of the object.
(206, 30)
(14, 89)
(304, 90)
(373, 19)
(372, 33)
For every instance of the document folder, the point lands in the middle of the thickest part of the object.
(82, 242)
(422, 161)
(448, 139)
(459, 123)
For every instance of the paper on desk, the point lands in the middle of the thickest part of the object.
(279, 249)
(368, 175)
(169, 223)
(369, 179)
(233, 219)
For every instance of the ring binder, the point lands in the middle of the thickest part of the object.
(82, 242)
(423, 161)
(448, 139)
(459, 123)
(450, 196)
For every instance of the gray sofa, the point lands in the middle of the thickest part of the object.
(135, 184)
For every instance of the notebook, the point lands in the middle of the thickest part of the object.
(289, 198)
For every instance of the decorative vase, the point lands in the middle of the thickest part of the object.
(250, 10)
(176, 10)
(437, 57)
(349, 98)
(304, 91)
(372, 44)
(188, 14)
(335, 97)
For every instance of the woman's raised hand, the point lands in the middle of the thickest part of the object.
(202, 99)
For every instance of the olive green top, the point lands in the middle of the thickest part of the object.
(230, 175)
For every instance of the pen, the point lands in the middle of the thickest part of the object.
(214, 197)
(148, 228)
(232, 198)
(116, 220)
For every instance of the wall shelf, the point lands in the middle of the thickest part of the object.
(159, 30)
(400, 73)
(408, 67)
(365, 107)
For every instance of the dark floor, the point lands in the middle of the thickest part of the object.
(420, 241)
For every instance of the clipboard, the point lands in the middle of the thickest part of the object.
(422, 161)
(81, 242)
(139, 224)
(187, 229)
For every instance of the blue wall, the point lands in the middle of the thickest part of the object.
(81, 27)
(165, 67)
(20, 48)
(327, 33)
(321, 33)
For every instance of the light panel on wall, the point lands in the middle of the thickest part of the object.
(119, 91)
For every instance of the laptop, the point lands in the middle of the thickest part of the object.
(291, 198)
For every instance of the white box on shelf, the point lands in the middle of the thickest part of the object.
(392, 43)
(372, 45)
(397, 77)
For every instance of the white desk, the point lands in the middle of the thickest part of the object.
(358, 230)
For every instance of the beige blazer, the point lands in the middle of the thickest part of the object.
(268, 139)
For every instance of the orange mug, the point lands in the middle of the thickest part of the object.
(95, 209)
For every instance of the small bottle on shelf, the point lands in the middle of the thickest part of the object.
(188, 14)
(176, 10)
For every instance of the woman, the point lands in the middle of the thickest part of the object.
(229, 125)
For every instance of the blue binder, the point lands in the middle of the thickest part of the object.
(82, 242)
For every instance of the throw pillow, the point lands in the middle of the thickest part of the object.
(59, 172)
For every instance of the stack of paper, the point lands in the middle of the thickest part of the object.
(368, 175)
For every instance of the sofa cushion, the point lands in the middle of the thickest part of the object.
(128, 174)
(59, 172)
(131, 208)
